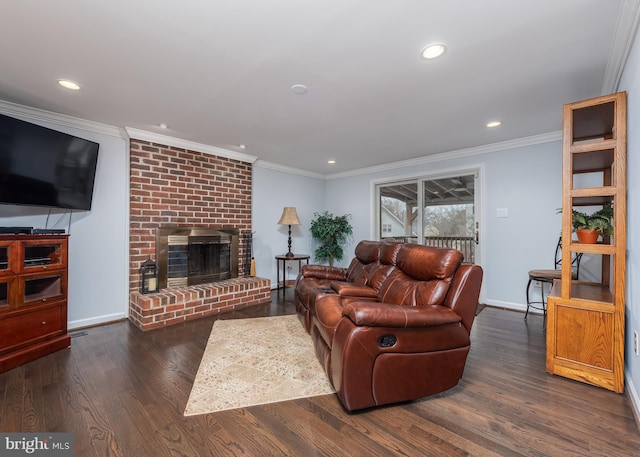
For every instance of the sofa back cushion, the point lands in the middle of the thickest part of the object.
(377, 273)
(389, 252)
(367, 253)
(425, 263)
(422, 276)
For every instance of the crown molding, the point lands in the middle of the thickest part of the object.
(624, 35)
(286, 169)
(39, 115)
(186, 144)
(461, 153)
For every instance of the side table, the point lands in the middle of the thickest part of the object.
(281, 262)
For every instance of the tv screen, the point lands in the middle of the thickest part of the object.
(44, 167)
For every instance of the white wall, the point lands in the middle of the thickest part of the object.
(630, 83)
(98, 245)
(525, 179)
(273, 189)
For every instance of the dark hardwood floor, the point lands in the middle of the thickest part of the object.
(123, 393)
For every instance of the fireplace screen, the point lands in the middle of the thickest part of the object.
(196, 255)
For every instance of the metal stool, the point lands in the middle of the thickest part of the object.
(548, 276)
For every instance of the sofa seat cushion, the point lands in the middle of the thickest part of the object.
(348, 289)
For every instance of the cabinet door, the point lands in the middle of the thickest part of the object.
(9, 252)
(583, 344)
(43, 288)
(43, 255)
(4, 294)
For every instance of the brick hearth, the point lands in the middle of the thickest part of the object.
(171, 306)
(172, 186)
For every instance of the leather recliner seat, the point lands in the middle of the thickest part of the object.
(393, 326)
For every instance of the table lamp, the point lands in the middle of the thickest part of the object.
(289, 217)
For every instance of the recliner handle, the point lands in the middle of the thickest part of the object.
(387, 341)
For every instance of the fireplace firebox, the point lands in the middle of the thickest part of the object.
(189, 256)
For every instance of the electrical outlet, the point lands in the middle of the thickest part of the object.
(635, 342)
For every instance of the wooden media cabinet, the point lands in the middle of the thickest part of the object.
(33, 297)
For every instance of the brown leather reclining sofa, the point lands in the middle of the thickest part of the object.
(393, 326)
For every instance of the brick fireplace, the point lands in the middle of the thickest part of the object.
(179, 189)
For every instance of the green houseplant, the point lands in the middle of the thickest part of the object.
(332, 232)
(589, 226)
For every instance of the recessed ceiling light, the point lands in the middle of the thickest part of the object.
(242, 146)
(299, 89)
(68, 84)
(493, 124)
(433, 50)
(163, 126)
(331, 161)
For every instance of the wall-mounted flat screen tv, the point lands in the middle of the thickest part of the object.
(44, 167)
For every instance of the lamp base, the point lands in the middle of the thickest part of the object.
(289, 254)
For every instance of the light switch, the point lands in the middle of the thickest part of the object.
(502, 212)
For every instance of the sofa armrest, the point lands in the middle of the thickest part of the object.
(374, 314)
(323, 272)
(462, 297)
(348, 289)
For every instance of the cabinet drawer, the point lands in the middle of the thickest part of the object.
(39, 323)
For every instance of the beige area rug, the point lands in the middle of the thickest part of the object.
(255, 361)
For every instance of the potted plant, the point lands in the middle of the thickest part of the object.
(589, 227)
(332, 232)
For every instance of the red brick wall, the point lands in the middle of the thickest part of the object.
(174, 186)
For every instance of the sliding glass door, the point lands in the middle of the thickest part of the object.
(434, 210)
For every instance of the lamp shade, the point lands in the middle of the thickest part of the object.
(289, 216)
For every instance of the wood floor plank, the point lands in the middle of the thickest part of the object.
(12, 400)
(122, 392)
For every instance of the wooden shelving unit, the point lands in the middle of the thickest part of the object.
(585, 328)
(33, 297)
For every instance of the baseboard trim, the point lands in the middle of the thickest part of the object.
(635, 399)
(98, 320)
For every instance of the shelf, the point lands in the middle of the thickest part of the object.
(593, 155)
(593, 120)
(37, 262)
(598, 248)
(586, 292)
(591, 292)
(583, 196)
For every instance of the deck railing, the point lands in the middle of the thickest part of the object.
(465, 244)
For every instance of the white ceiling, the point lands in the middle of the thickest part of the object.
(219, 72)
